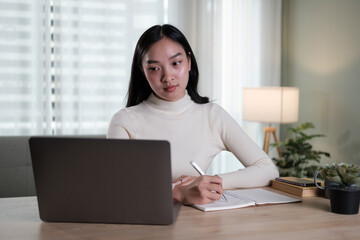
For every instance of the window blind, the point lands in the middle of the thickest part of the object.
(65, 65)
(23, 104)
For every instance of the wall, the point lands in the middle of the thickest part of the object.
(321, 56)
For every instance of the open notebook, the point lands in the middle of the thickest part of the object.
(245, 198)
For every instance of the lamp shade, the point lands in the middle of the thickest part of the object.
(271, 104)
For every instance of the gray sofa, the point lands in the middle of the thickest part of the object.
(16, 176)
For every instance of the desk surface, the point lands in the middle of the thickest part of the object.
(310, 219)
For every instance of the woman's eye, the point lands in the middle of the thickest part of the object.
(153, 69)
(176, 63)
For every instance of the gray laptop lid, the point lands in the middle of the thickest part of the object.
(103, 180)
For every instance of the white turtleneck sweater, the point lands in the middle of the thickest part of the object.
(196, 132)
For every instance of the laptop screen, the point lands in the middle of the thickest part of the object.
(103, 180)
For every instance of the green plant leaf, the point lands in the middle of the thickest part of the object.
(305, 126)
(335, 179)
(341, 170)
(355, 181)
(297, 152)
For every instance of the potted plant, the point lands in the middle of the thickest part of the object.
(298, 156)
(344, 187)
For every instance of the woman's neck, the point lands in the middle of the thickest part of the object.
(167, 107)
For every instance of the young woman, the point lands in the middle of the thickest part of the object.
(164, 104)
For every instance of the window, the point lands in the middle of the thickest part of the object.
(65, 65)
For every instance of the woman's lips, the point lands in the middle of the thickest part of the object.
(170, 88)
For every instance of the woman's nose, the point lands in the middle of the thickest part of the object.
(167, 76)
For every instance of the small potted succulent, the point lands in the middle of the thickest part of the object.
(343, 186)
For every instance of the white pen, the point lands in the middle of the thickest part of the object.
(201, 172)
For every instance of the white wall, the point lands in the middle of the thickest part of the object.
(321, 56)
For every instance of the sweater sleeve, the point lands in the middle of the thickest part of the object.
(259, 168)
(119, 126)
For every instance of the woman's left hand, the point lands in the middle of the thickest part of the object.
(184, 180)
(197, 190)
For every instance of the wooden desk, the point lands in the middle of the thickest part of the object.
(311, 219)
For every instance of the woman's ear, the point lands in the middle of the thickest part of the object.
(189, 60)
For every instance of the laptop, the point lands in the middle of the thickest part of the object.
(93, 180)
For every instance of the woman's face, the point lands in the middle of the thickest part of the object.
(166, 68)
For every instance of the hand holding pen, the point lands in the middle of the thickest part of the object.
(201, 172)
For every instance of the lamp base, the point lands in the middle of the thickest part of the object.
(268, 131)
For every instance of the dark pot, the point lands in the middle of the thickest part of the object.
(328, 186)
(344, 201)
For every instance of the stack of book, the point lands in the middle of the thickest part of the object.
(297, 186)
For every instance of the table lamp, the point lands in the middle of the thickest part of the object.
(271, 105)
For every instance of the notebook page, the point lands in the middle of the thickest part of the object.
(261, 196)
(231, 203)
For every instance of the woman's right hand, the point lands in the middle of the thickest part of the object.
(197, 190)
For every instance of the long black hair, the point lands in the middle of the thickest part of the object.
(139, 88)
